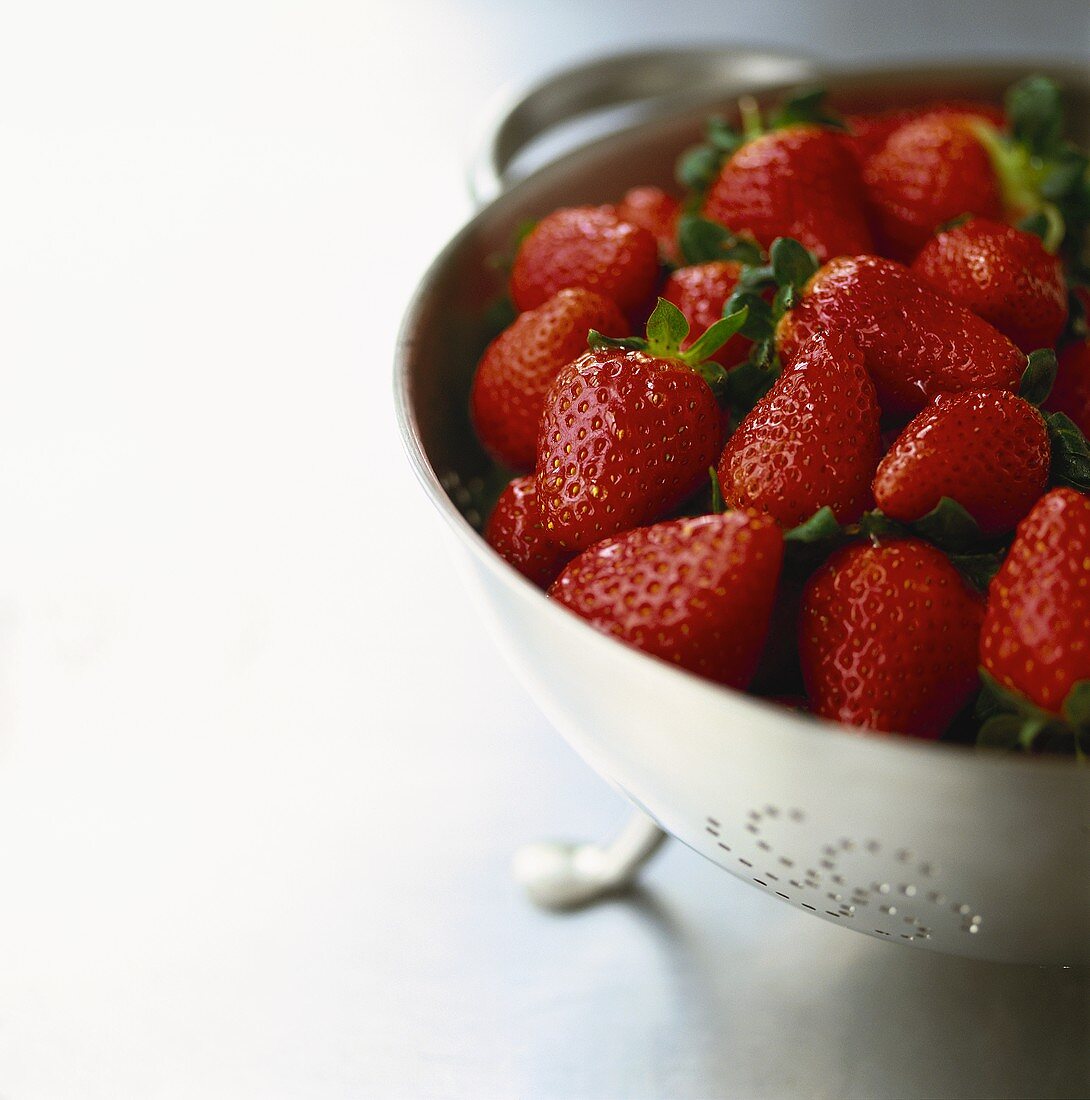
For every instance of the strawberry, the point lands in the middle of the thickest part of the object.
(812, 440)
(516, 532)
(799, 182)
(589, 247)
(700, 292)
(916, 342)
(888, 637)
(1071, 393)
(869, 130)
(657, 212)
(949, 163)
(989, 451)
(1035, 640)
(929, 171)
(629, 430)
(518, 367)
(1003, 275)
(696, 592)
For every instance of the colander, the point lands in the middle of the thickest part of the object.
(933, 846)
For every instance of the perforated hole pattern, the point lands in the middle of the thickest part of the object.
(847, 879)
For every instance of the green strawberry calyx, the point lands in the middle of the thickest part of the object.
(1042, 176)
(815, 537)
(698, 166)
(790, 267)
(949, 528)
(1010, 721)
(667, 330)
(804, 107)
(702, 241)
(1039, 376)
(1021, 177)
(1070, 451)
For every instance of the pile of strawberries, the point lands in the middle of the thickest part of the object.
(845, 467)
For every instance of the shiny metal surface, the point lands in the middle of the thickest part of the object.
(561, 875)
(923, 845)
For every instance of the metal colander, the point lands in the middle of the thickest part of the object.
(922, 844)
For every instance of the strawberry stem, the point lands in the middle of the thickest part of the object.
(1021, 176)
(718, 505)
(752, 126)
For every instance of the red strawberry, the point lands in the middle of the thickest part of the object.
(696, 592)
(1035, 639)
(1071, 393)
(1003, 275)
(799, 182)
(628, 432)
(811, 441)
(657, 212)
(589, 247)
(869, 130)
(888, 638)
(929, 171)
(518, 367)
(989, 451)
(516, 532)
(700, 292)
(916, 343)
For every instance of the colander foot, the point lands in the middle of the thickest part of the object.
(557, 875)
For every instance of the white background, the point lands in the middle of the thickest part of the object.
(260, 769)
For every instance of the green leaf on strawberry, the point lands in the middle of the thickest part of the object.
(1010, 721)
(667, 330)
(1035, 114)
(698, 166)
(1076, 707)
(748, 382)
(1002, 732)
(1070, 453)
(760, 324)
(806, 107)
(1038, 377)
(721, 135)
(948, 526)
(977, 569)
(821, 527)
(812, 541)
(792, 264)
(1043, 176)
(789, 268)
(702, 241)
(876, 526)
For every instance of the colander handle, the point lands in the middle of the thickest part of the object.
(649, 82)
(557, 875)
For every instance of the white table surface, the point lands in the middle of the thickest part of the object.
(261, 771)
